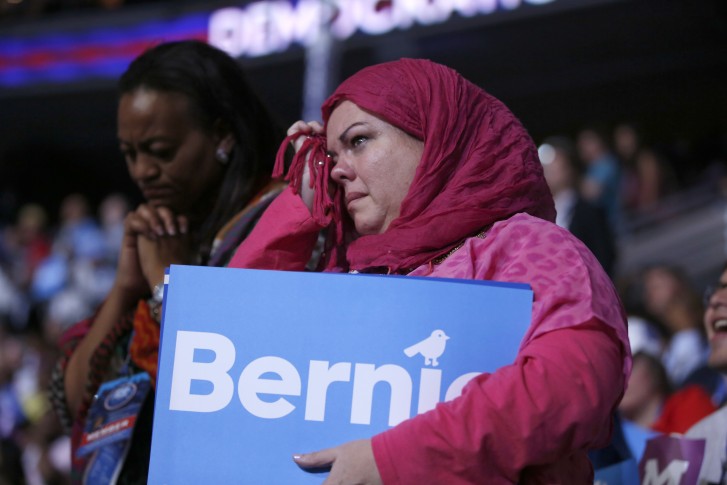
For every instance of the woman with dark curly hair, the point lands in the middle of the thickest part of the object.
(199, 144)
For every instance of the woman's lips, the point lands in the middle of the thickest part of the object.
(151, 193)
(720, 325)
(352, 196)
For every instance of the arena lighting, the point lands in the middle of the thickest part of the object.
(96, 53)
(546, 153)
(271, 26)
(260, 28)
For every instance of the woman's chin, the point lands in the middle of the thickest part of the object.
(368, 222)
(364, 229)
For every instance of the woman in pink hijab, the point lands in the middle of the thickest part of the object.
(417, 171)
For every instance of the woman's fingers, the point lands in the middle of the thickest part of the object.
(151, 219)
(298, 126)
(351, 462)
(135, 225)
(183, 224)
(316, 127)
(317, 459)
(304, 128)
(168, 221)
(155, 222)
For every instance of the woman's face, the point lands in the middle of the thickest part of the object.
(715, 326)
(660, 288)
(375, 164)
(168, 155)
(642, 389)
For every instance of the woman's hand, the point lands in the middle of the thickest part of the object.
(130, 282)
(154, 222)
(305, 128)
(351, 463)
(155, 255)
(154, 238)
(163, 240)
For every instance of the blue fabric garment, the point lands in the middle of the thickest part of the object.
(606, 172)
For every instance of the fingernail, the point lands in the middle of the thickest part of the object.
(160, 231)
(172, 232)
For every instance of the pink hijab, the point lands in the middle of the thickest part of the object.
(479, 164)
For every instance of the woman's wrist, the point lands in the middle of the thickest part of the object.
(124, 297)
(155, 277)
(155, 301)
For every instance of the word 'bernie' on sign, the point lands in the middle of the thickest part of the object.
(321, 374)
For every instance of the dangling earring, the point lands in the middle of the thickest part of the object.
(222, 156)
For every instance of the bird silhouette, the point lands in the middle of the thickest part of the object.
(431, 347)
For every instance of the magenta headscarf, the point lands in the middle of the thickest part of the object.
(479, 165)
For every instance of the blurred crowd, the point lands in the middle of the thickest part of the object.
(55, 274)
(603, 184)
(50, 278)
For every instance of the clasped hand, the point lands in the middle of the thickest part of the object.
(154, 238)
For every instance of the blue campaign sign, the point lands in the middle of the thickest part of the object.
(256, 366)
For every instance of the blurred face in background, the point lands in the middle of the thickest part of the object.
(626, 141)
(113, 210)
(715, 325)
(74, 208)
(647, 389)
(169, 156)
(661, 287)
(590, 146)
(556, 168)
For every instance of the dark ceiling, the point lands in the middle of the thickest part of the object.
(661, 63)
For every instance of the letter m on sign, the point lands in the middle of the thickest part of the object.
(671, 475)
(671, 460)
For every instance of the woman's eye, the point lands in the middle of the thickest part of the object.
(128, 155)
(163, 154)
(357, 140)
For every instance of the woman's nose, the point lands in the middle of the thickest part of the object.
(143, 168)
(342, 171)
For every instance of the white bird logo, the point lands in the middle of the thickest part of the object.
(431, 347)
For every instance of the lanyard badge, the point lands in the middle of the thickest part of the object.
(109, 426)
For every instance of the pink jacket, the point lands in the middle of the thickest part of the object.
(531, 422)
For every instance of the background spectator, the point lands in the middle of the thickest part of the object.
(582, 218)
(601, 182)
(626, 145)
(654, 180)
(670, 300)
(649, 385)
